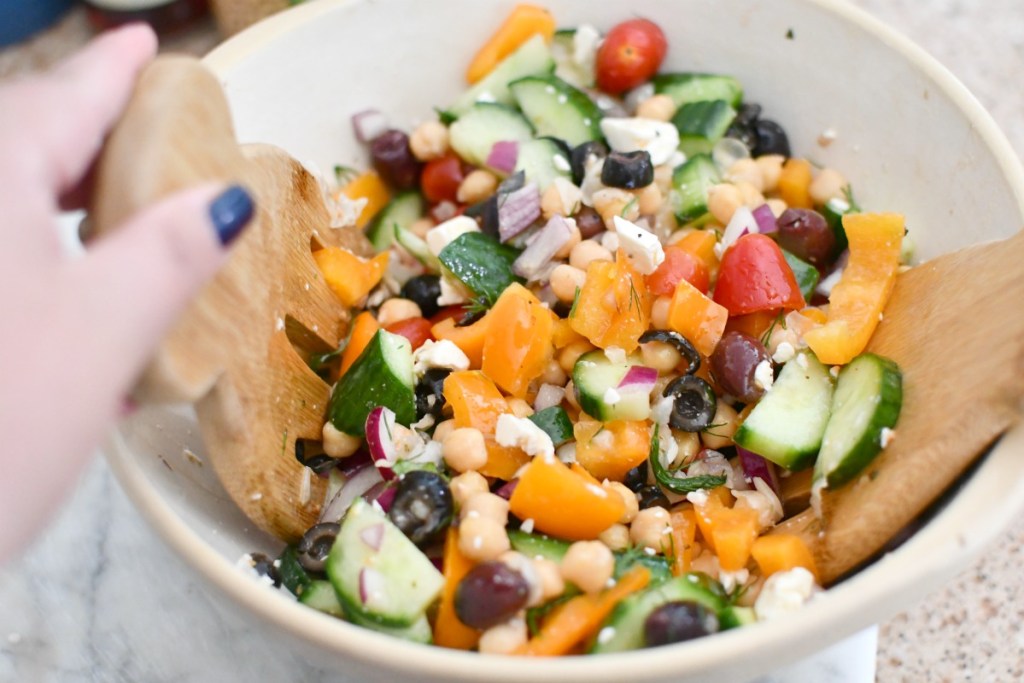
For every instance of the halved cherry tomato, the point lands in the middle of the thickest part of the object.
(416, 330)
(456, 312)
(679, 264)
(754, 276)
(441, 178)
(631, 53)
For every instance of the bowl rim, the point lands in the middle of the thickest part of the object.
(838, 610)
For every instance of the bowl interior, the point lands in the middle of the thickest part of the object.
(909, 138)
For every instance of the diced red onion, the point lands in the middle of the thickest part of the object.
(372, 536)
(765, 218)
(741, 223)
(385, 498)
(443, 211)
(357, 485)
(371, 582)
(547, 396)
(380, 424)
(352, 464)
(368, 124)
(555, 234)
(639, 378)
(438, 563)
(755, 466)
(507, 489)
(824, 287)
(503, 156)
(517, 211)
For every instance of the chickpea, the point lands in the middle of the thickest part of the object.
(829, 183)
(519, 407)
(657, 107)
(612, 201)
(482, 539)
(661, 356)
(476, 187)
(663, 178)
(421, 226)
(746, 170)
(565, 280)
(589, 565)
(777, 206)
(464, 449)
(397, 309)
(628, 498)
(553, 374)
(466, 485)
(575, 237)
(659, 312)
(338, 444)
(678, 235)
(649, 200)
(723, 200)
(570, 396)
(616, 537)
(750, 195)
(551, 582)
(443, 429)
(429, 141)
(722, 428)
(586, 252)
(651, 528)
(771, 169)
(526, 568)
(689, 446)
(571, 353)
(487, 504)
(505, 638)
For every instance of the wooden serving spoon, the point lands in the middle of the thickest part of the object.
(239, 351)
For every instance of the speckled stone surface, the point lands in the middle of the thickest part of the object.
(53, 629)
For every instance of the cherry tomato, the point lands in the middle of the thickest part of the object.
(441, 178)
(416, 330)
(679, 264)
(448, 312)
(631, 53)
(754, 276)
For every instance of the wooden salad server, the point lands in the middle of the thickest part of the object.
(955, 326)
(238, 351)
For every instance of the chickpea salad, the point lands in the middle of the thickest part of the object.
(613, 336)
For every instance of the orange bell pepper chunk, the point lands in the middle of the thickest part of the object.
(564, 335)
(754, 324)
(734, 531)
(718, 498)
(782, 552)
(350, 278)
(522, 347)
(367, 186)
(614, 306)
(611, 449)
(697, 317)
(562, 503)
(477, 403)
(449, 631)
(858, 299)
(363, 329)
(523, 23)
(795, 183)
(469, 338)
(701, 243)
(684, 533)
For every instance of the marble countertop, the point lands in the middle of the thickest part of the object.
(99, 597)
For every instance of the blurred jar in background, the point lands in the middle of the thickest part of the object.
(165, 16)
(20, 19)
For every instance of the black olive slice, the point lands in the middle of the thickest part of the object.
(681, 344)
(694, 403)
(628, 170)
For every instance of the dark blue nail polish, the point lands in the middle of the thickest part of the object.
(230, 212)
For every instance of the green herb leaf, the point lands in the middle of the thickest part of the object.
(575, 302)
(678, 484)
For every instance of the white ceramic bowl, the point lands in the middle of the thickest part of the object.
(910, 138)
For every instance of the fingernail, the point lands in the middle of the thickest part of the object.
(230, 212)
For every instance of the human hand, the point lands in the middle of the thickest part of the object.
(75, 332)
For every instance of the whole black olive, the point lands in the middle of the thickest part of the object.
(430, 393)
(589, 222)
(423, 290)
(490, 593)
(748, 113)
(734, 362)
(628, 170)
(742, 127)
(580, 154)
(423, 506)
(771, 139)
(636, 478)
(806, 234)
(681, 344)
(652, 496)
(694, 403)
(316, 545)
(675, 622)
(393, 159)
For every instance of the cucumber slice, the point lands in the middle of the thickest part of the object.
(735, 616)
(538, 545)
(557, 109)
(481, 263)
(483, 124)
(380, 576)
(684, 88)
(691, 183)
(702, 124)
(543, 160)
(401, 212)
(381, 376)
(806, 275)
(320, 596)
(595, 379)
(788, 423)
(833, 211)
(868, 398)
(555, 422)
(416, 246)
(294, 576)
(532, 57)
(554, 549)
(626, 622)
(416, 632)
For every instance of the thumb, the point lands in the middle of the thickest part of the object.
(139, 278)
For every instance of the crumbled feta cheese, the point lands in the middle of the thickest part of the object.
(584, 47)
(801, 360)
(887, 437)
(438, 354)
(606, 634)
(784, 352)
(661, 411)
(343, 211)
(570, 194)
(561, 163)
(615, 355)
(641, 246)
(486, 96)
(698, 497)
(834, 371)
(610, 241)
(611, 397)
(764, 375)
(527, 525)
(548, 395)
(440, 236)
(567, 453)
(452, 293)
(785, 593)
(731, 580)
(659, 138)
(424, 423)
(592, 167)
(522, 433)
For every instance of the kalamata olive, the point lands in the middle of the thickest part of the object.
(628, 170)
(394, 161)
(694, 403)
(771, 139)
(681, 344)
(805, 234)
(589, 222)
(579, 156)
(742, 127)
(264, 566)
(430, 393)
(423, 506)
(734, 362)
(316, 544)
(636, 478)
(423, 290)
(651, 496)
(675, 622)
(490, 593)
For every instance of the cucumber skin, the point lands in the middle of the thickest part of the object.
(693, 201)
(370, 383)
(555, 422)
(886, 414)
(806, 275)
(416, 632)
(321, 596)
(594, 405)
(532, 57)
(554, 549)
(694, 87)
(576, 101)
(473, 135)
(702, 124)
(393, 216)
(294, 576)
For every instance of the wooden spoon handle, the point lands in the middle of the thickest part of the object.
(954, 326)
